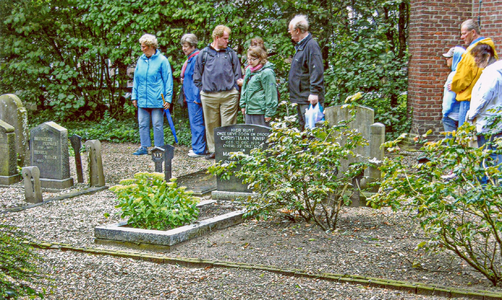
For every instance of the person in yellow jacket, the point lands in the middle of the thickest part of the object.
(467, 71)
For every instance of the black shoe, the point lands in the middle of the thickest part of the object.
(210, 156)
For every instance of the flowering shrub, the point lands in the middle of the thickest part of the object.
(460, 215)
(298, 172)
(151, 203)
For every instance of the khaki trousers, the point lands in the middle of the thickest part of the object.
(220, 109)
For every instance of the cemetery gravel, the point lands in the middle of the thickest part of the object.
(375, 243)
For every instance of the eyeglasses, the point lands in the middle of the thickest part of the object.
(252, 58)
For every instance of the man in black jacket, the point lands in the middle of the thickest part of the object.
(306, 77)
(216, 73)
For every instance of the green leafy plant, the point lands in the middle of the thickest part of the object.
(299, 173)
(151, 203)
(461, 216)
(18, 265)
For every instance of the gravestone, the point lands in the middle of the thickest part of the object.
(13, 113)
(235, 138)
(8, 162)
(32, 188)
(163, 156)
(76, 144)
(374, 133)
(95, 163)
(49, 152)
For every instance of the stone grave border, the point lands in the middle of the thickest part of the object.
(164, 239)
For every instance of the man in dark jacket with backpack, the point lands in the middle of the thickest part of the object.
(306, 77)
(216, 73)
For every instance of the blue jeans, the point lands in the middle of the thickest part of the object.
(196, 117)
(157, 117)
(449, 125)
(462, 112)
(495, 158)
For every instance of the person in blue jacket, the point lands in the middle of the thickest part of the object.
(152, 79)
(191, 96)
(451, 107)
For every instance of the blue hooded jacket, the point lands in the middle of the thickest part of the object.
(449, 102)
(192, 93)
(152, 77)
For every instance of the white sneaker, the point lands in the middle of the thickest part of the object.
(193, 154)
(190, 151)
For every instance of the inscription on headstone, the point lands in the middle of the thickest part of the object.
(49, 152)
(237, 138)
(13, 113)
(8, 164)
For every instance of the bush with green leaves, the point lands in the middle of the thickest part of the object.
(298, 172)
(18, 265)
(151, 203)
(461, 216)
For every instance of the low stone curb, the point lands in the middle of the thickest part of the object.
(411, 287)
(69, 195)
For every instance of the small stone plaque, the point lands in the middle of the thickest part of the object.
(237, 138)
(49, 152)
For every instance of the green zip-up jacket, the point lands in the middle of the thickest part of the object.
(259, 91)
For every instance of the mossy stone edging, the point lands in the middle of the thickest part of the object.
(412, 287)
(73, 194)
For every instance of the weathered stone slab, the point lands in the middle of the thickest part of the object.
(13, 113)
(49, 152)
(8, 157)
(237, 138)
(32, 187)
(117, 232)
(95, 165)
(163, 156)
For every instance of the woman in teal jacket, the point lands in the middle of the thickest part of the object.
(259, 90)
(152, 79)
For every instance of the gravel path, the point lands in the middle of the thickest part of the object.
(377, 243)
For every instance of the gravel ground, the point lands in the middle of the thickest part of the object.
(377, 243)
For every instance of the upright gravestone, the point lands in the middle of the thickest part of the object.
(76, 144)
(32, 189)
(163, 156)
(235, 138)
(374, 133)
(13, 113)
(49, 152)
(95, 163)
(8, 164)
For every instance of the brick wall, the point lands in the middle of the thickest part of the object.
(491, 20)
(434, 28)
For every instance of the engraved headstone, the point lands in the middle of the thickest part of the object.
(76, 144)
(49, 152)
(374, 133)
(32, 188)
(236, 138)
(13, 113)
(163, 156)
(158, 158)
(95, 165)
(8, 164)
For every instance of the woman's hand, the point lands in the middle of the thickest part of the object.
(135, 103)
(240, 82)
(243, 111)
(267, 119)
(167, 105)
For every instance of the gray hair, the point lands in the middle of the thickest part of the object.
(300, 22)
(150, 40)
(471, 25)
(189, 38)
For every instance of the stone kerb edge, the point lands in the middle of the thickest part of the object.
(117, 231)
